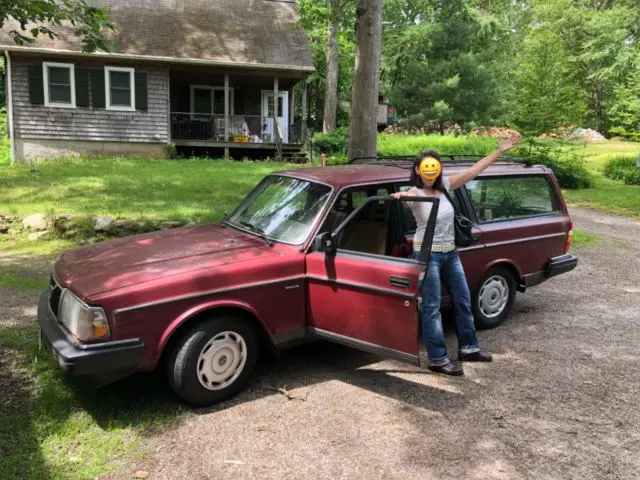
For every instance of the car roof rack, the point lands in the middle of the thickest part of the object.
(447, 158)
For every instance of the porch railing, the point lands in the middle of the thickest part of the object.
(206, 127)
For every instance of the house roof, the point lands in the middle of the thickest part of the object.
(252, 33)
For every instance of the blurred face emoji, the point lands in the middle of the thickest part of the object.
(430, 168)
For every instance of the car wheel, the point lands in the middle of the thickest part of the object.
(213, 360)
(493, 298)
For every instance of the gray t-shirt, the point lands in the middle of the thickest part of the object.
(444, 231)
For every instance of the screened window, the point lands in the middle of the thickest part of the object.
(496, 199)
(208, 101)
(120, 89)
(59, 85)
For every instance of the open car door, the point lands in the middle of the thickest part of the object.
(367, 300)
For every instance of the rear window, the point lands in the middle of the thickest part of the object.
(496, 199)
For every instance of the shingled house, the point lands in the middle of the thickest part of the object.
(208, 74)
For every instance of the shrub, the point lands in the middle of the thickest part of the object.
(568, 165)
(332, 143)
(623, 169)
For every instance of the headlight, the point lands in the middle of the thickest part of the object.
(83, 322)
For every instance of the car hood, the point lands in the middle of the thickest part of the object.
(127, 261)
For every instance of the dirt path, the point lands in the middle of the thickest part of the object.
(560, 401)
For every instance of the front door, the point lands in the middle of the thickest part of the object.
(360, 295)
(268, 114)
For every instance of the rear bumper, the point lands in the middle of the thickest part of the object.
(97, 364)
(555, 266)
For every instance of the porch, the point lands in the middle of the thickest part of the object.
(230, 111)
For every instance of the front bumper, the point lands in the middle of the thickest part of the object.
(555, 266)
(98, 363)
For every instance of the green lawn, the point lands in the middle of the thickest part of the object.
(195, 190)
(52, 429)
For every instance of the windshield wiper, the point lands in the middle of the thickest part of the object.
(259, 231)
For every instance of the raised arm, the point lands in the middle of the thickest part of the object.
(459, 179)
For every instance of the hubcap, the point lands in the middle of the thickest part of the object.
(493, 297)
(222, 360)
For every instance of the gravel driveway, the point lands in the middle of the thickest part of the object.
(560, 400)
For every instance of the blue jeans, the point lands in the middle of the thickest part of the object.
(448, 268)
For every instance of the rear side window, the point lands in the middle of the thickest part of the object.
(496, 199)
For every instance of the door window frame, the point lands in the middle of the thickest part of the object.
(354, 213)
(461, 194)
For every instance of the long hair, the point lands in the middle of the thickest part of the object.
(415, 180)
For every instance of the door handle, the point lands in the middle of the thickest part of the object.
(401, 282)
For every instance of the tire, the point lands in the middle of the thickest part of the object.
(493, 298)
(213, 360)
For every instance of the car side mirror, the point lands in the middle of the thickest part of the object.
(325, 243)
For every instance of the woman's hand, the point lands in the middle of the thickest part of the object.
(407, 193)
(506, 144)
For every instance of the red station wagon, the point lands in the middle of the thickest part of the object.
(310, 253)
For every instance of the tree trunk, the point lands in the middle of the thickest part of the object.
(331, 83)
(599, 95)
(364, 100)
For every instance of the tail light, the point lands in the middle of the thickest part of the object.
(567, 245)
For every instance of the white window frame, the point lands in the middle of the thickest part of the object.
(132, 84)
(212, 89)
(72, 81)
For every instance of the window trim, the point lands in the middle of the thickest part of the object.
(557, 207)
(72, 81)
(212, 89)
(107, 90)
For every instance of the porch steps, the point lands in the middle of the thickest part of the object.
(293, 154)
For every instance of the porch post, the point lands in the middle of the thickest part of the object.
(275, 104)
(304, 109)
(292, 111)
(226, 114)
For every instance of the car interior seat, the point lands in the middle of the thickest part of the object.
(368, 232)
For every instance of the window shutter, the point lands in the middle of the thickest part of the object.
(36, 86)
(141, 91)
(97, 88)
(238, 102)
(82, 87)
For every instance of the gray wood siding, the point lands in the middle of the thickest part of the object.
(40, 122)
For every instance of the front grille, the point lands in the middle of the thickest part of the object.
(54, 296)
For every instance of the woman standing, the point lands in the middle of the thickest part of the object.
(444, 261)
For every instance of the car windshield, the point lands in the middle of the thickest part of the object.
(282, 209)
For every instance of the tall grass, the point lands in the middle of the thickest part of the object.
(413, 144)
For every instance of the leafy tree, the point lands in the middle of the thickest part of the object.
(41, 17)
(443, 60)
(315, 18)
(624, 112)
(544, 95)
